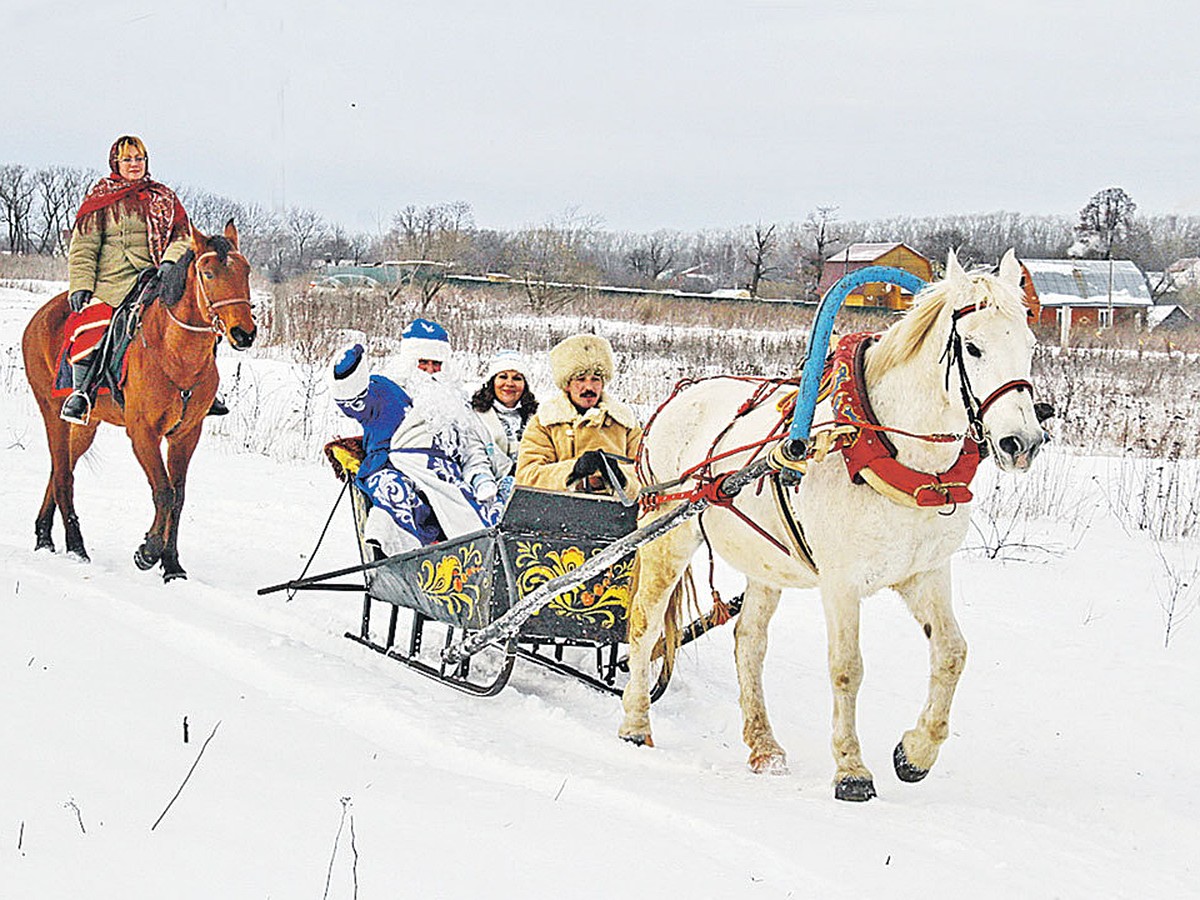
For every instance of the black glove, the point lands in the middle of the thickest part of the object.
(172, 279)
(591, 462)
(79, 299)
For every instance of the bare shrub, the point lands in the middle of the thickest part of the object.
(1116, 400)
(1158, 496)
(1009, 509)
(18, 269)
(1179, 588)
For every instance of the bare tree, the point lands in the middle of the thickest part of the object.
(342, 244)
(653, 255)
(209, 212)
(1155, 242)
(435, 238)
(440, 231)
(762, 246)
(549, 259)
(60, 190)
(17, 189)
(822, 231)
(720, 253)
(305, 227)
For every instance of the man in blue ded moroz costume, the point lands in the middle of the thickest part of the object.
(412, 470)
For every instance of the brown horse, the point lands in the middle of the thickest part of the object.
(171, 379)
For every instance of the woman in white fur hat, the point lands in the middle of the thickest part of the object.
(504, 405)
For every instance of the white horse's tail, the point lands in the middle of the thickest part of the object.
(682, 599)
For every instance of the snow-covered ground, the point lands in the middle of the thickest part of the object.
(1071, 770)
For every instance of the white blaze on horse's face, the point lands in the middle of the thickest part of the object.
(997, 350)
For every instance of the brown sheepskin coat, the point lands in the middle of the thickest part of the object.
(558, 433)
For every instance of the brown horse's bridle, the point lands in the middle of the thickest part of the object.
(215, 326)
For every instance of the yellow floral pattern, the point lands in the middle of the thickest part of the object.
(603, 602)
(452, 580)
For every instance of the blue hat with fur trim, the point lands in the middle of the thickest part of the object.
(424, 339)
(349, 377)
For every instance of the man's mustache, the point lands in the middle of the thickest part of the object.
(588, 394)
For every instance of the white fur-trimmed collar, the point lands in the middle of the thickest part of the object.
(559, 410)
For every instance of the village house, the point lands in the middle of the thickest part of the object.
(859, 256)
(1086, 293)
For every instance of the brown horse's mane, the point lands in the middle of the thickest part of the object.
(172, 285)
(170, 288)
(220, 245)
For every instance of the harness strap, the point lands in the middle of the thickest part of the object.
(1017, 384)
(186, 397)
(794, 528)
(215, 325)
(871, 456)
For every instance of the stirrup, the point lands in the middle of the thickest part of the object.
(76, 418)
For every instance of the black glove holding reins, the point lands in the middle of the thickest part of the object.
(592, 462)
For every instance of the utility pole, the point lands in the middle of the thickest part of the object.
(1111, 322)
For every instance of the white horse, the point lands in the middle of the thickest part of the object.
(966, 338)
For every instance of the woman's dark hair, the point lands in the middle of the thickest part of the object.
(482, 399)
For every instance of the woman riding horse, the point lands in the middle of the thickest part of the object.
(126, 224)
(170, 380)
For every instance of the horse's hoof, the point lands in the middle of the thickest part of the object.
(43, 540)
(769, 763)
(143, 560)
(176, 575)
(638, 740)
(79, 555)
(856, 789)
(905, 770)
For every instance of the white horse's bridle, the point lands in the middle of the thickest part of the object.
(974, 407)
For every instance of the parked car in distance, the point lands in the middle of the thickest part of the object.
(331, 282)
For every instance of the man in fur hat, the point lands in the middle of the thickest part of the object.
(562, 445)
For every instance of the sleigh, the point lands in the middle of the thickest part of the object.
(551, 582)
(417, 605)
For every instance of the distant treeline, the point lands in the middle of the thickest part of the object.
(781, 259)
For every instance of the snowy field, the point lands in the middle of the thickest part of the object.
(330, 772)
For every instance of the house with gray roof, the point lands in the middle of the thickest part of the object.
(1088, 293)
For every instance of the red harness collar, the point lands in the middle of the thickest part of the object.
(869, 447)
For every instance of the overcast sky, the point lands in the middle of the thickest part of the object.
(648, 115)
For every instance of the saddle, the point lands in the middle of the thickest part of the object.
(110, 352)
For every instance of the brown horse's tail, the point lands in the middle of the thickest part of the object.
(683, 597)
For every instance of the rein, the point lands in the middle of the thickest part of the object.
(854, 431)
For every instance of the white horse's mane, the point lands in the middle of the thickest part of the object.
(933, 308)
